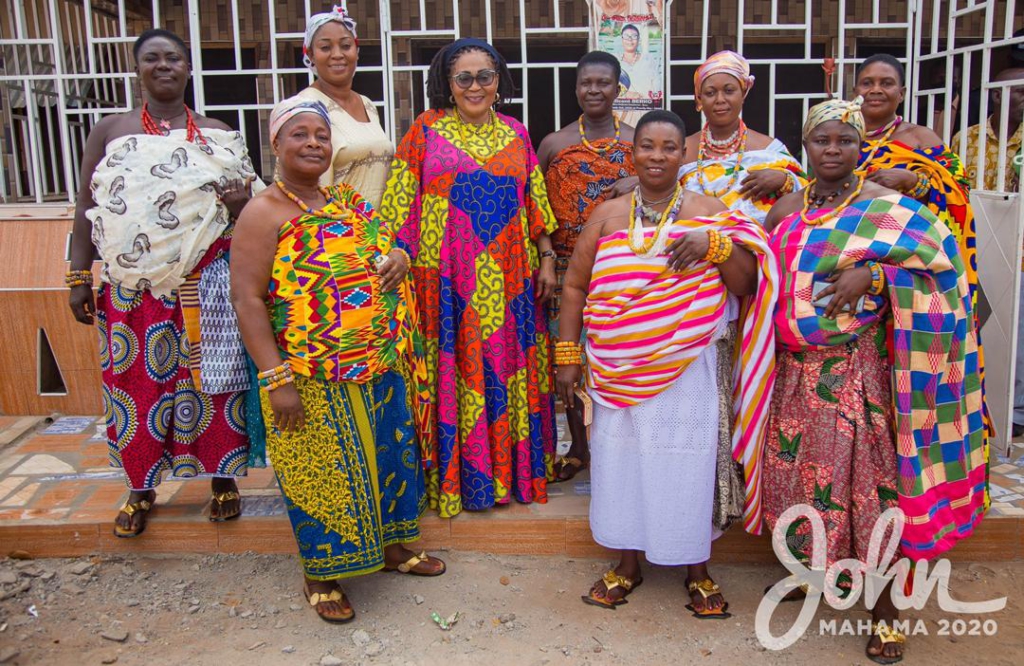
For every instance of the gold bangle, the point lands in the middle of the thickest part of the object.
(408, 260)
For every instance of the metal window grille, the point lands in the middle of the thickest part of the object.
(66, 63)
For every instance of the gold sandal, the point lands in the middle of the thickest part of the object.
(141, 507)
(564, 462)
(221, 499)
(409, 566)
(885, 634)
(707, 588)
(611, 581)
(317, 598)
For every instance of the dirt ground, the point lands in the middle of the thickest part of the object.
(225, 609)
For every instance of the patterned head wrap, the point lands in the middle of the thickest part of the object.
(317, 21)
(289, 108)
(836, 109)
(725, 62)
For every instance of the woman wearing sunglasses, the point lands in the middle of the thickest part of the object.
(467, 201)
(360, 150)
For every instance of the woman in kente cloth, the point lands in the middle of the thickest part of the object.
(727, 160)
(581, 162)
(656, 279)
(747, 170)
(914, 161)
(333, 338)
(161, 187)
(877, 400)
(361, 152)
(467, 200)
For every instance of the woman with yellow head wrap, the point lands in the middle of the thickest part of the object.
(747, 170)
(862, 418)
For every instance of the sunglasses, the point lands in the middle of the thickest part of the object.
(483, 78)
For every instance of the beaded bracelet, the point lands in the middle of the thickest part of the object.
(275, 378)
(405, 255)
(719, 247)
(786, 188)
(921, 188)
(282, 369)
(78, 278)
(568, 352)
(877, 279)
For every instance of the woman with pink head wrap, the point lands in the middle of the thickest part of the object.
(747, 170)
(361, 151)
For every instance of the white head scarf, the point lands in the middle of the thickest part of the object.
(340, 14)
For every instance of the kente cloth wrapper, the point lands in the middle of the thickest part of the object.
(646, 323)
(287, 109)
(724, 62)
(949, 201)
(577, 180)
(338, 13)
(718, 172)
(467, 204)
(836, 109)
(941, 439)
(158, 419)
(330, 317)
(157, 212)
(351, 478)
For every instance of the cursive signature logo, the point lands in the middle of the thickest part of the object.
(869, 578)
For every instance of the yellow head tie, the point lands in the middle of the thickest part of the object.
(836, 109)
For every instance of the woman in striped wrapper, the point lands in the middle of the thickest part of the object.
(657, 277)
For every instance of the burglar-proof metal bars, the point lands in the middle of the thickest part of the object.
(66, 63)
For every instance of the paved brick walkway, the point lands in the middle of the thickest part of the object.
(58, 496)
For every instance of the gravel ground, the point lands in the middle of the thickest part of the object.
(248, 608)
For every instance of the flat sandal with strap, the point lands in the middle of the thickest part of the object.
(885, 634)
(221, 499)
(409, 566)
(707, 588)
(336, 595)
(611, 581)
(141, 507)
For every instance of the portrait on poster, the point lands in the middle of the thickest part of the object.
(633, 31)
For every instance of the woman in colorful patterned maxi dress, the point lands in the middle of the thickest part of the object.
(467, 200)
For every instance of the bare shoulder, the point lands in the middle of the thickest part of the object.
(872, 190)
(268, 209)
(556, 142)
(916, 136)
(784, 207)
(609, 216)
(758, 141)
(205, 122)
(626, 132)
(692, 146)
(116, 126)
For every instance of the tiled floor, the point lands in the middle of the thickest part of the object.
(58, 495)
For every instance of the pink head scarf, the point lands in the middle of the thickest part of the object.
(724, 62)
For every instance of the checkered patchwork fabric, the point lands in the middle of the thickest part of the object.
(938, 403)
